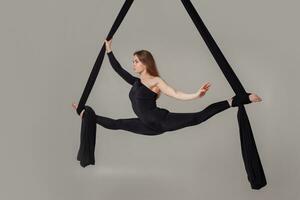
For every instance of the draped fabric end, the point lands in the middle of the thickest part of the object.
(254, 169)
(87, 138)
(255, 173)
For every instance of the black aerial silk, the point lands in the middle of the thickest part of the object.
(254, 169)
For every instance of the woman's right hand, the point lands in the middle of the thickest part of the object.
(108, 45)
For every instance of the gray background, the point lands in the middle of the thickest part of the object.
(48, 49)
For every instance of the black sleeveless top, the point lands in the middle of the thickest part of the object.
(143, 99)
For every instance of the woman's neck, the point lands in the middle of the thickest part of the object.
(145, 75)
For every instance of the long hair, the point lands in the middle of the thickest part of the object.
(147, 59)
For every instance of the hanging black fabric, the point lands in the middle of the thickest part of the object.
(250, 155)
(86, 154)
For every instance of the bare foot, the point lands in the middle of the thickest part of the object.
(254, 98)
(74, 106)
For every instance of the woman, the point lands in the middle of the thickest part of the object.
(151, 119)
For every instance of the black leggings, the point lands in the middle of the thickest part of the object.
(172, 121)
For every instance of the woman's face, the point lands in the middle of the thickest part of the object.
(137, 65)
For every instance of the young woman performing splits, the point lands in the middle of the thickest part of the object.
(152, 120)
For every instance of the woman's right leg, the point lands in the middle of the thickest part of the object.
(133, 125)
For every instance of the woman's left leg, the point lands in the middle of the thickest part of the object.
(174, 121)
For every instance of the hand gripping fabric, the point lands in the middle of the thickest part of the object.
(254, 169)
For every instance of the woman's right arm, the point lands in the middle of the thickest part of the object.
(119, 69)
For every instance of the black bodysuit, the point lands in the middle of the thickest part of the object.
(151, 119)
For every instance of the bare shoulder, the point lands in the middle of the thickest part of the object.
(164, 87)
(157, 79)
(160, 81)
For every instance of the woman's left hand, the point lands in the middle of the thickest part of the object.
(203, 89)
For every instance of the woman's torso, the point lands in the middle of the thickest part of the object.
(143, 100)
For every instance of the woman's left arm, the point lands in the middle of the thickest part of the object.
(169, 91)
